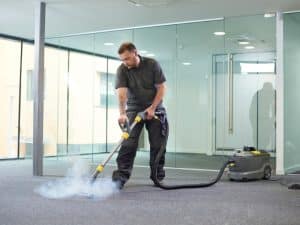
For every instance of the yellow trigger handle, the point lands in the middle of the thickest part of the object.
(138, 119)
(125, 135)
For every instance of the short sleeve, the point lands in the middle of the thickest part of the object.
(159, 76)
(121, 79)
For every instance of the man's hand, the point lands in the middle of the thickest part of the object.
(122, 119)
(150, 113)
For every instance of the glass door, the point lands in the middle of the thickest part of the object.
(244, 101)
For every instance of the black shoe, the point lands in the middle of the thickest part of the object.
(160, 175)
(159, 179)
(117, 179)
(119, 184)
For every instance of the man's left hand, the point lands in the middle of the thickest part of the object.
(150, 113)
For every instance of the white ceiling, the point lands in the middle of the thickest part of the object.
(77, 16)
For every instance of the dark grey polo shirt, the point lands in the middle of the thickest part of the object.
(140, 82)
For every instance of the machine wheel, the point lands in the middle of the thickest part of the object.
(267, 173)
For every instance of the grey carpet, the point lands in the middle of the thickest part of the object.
(226, 203)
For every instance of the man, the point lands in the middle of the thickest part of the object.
(140, 85)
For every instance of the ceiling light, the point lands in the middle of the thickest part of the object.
(249, 47)
(109, 43)
(135, 3)
(150, 55)
(244, 42)
(268, 15)
(143, 51)
(187, 63)
(219, 33)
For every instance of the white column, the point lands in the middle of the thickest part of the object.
(279, 96)
(38, 106)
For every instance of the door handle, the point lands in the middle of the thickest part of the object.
(230, 93)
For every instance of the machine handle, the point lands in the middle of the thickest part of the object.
(144, 114)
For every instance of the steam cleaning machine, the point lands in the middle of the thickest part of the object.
(245, 164)
(250, 164)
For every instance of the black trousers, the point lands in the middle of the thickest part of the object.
(128, 148)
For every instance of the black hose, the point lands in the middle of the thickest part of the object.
(173, 187)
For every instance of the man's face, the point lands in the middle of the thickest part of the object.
(129, 58)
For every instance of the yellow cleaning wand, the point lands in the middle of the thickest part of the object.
(125, 135)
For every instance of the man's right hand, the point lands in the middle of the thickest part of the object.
(122, 119)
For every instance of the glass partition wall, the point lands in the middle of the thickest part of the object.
(220, 89)
(244, 79)
(291, 92)
(220, 92)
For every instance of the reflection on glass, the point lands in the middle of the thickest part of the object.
(262, 117)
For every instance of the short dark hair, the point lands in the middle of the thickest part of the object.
(126, 46)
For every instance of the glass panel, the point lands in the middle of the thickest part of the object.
(113, 129)
(164, 51)
(55, 108)
(70, 80)
(291, 92)
(56, 62)
(244, 85)
(61, 76)
(100, 90)
(196, 46)
(81, 102)
(10, 55)
(86, 102)
(109, 134)
(26, 120)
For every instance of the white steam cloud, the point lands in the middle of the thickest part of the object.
(78, 183)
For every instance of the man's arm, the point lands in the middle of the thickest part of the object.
(122, 97)
(161, 89)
